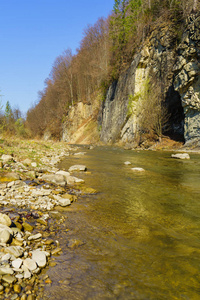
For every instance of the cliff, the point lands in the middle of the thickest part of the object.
(173, 65)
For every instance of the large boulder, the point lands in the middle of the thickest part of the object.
(55, 178)
(77, 168)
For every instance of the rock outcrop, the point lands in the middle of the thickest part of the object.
(187, 80)
(177, 68)
(168, 57)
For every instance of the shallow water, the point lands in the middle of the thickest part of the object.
(141, 232)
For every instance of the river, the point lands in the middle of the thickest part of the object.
(140, 232)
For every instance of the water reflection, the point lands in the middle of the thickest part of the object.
(141, 231)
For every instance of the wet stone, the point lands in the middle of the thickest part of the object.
(9, 278)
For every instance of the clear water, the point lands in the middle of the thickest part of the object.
(141, 232)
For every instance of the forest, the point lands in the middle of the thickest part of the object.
(106, 50)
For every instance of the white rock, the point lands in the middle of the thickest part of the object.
(181, 156)
(6, 158)
(6, 257)
(127, 163)
(16, 251)
(138, 169)
(27, 273)
(64, 173)
(30, 264)
(55, 178)
(5, 236)
(73, 179)
(40, 258)
(6, 270)
(17, 263)
(35, 236)
(34, 164)
(77, 168)
(2, 227)
(64, 202)
(5, 220)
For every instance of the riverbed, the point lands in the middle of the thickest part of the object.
(138, 237)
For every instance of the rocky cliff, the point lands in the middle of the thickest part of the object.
(81, 126)
(172, 62)
(177, 68)
(187, 80)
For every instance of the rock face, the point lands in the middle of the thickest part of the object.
(81, 125)
(169, 57)
(178, 70)
(187, 79)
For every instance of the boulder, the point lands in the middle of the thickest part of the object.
(127, 163)
(77, 168)
(181, 156)
(55, 178)
(64, 202)
(138, 169)
(72, 180)
(64, 173)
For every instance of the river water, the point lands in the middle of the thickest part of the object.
(140, 232)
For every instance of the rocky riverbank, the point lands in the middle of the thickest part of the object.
(31, 188)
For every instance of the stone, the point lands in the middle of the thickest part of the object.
(16, 251)
(7, 256)
(27, 273)
(127, 163)
(9, 278)
(12, 176)
(64, 173)
(64, 202)
(31, 297)
(6, 270)
(5, 236)
(74, 243)
(6, 158)
(34, 164)
(27, 226)
(17, 263)
(77, 168)
(138, 169)
(17, 288)
(35, 236)
(40, 258)
(27, 162)
(55, 178)
(56, 251)
(181, 156)
(5, 220)
(30, 264)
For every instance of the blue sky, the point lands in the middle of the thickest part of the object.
(32, 34)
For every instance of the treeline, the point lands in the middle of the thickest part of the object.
(105, 51)
(12, 121)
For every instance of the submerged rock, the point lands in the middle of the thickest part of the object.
(77, 168)
(181, 156)
(138, 169)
